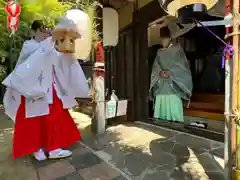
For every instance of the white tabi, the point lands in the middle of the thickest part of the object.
(33, 79)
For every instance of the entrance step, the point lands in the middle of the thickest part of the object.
(206, 97)
(206, 114)
(208, 106)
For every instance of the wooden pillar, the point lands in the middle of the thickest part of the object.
(99, 118)
(235, 86)
(135, 102)
(230, 130)
(235, 69)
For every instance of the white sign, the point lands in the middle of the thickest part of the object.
(122, 108)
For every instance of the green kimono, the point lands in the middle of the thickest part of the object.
(168, 92)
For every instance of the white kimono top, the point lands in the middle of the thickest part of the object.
(33, 79)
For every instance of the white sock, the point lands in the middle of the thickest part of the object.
(55, 152)
(40, 155)
(60, 152)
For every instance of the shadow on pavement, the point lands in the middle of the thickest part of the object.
(150, 153)
(12, 169)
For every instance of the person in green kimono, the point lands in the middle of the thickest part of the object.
(171, 80)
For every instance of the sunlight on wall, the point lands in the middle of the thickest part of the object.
(142, 3)
(153, 35)
(125, 13)
(125, 16)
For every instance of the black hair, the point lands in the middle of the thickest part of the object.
(165, 32)
(37, 24)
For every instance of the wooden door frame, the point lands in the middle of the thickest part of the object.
(141, 19)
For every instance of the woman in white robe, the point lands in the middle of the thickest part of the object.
(48, 83)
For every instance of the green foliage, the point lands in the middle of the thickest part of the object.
(89, 7)
(47, 10)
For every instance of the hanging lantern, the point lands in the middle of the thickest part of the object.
(110, 26)
(72, 34)
(13, 9)
(83, 45)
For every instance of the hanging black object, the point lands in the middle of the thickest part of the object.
(190, 12)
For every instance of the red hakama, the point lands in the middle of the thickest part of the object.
(56, 130)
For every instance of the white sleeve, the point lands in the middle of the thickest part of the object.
(78, 81)
(29, 77)
(28, 48)
(76, 78)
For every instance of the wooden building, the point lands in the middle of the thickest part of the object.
(128, 68)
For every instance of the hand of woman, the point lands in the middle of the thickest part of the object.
(164, 74)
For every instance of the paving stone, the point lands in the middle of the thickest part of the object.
(56, 170)
(219, 152)
(80, 161)
(186, 151)
(74, 176)
(157, 175)
(199, 166)
(78, 152)
(99, 172)
(78, 148)
(158, 130)
(209, 163)
(182, 160)
(215, 176)
(158, 145)
(195, 142)
(98, 142)
(116, 150)
(164, 161)
(179, 174)
(119, 178)
(178, 155)
(103, 155)
(47, 162)
(135, 163)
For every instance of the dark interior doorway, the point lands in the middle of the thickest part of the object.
(204, 53)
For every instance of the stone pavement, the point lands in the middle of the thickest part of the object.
(145, 152)
(133, 152)
(83, 165)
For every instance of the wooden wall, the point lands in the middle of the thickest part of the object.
(120, 69)
(127, 63)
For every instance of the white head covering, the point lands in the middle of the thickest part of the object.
(79, 22)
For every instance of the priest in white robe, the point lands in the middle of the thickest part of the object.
(45, 87)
